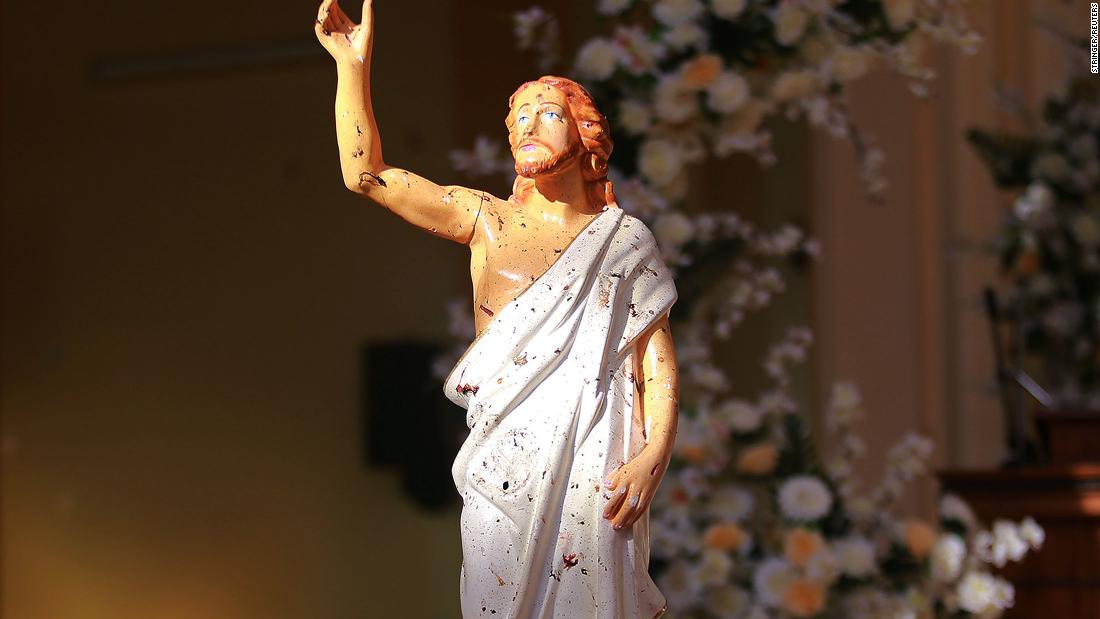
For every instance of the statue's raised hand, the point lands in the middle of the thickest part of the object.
(345, 40)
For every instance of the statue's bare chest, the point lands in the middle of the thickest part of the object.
(512, 255)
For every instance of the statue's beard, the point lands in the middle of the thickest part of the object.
(550, 165)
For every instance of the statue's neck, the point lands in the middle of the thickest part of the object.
(561, 195)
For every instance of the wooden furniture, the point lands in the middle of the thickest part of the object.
(1062, 579)
(1070, 436)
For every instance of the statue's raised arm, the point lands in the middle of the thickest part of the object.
(448, 212)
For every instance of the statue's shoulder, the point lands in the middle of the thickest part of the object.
(634, 231)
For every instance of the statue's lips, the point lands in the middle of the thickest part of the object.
(528, 147)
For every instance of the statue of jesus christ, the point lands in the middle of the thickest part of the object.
(571, 383)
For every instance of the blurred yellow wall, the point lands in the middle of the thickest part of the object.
(187, 283)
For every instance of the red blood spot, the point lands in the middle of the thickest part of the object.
(466, 389)
(486, 310)
(569, 560)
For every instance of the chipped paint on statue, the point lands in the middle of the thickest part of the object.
(571, 383)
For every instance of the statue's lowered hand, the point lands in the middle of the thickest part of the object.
(632, 486)
(345, 40)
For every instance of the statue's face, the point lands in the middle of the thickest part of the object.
(546, 136)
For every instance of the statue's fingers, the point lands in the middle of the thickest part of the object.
(645, 497)
(364, 44)
(626, 510)
(617, 499)
(340, 18)
(368, 15)
(612, 479)
(324, 11)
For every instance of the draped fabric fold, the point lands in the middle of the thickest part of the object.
(549, 391)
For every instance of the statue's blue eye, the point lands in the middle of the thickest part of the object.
(552, 115)
(522, 120)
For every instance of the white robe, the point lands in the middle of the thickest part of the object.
(549, 390)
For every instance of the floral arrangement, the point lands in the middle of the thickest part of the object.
(1049, 242)
(750, 522)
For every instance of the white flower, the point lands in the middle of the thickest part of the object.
(786, 240)
(728, 601)
(673, 13)
(636, 197)
(659, 162)
(637, 52)
(1035, 203)
(684, 36)
(708, 376)
(1032, 533)
(727, 92)
(714, 567)
(688, 144)
(693, 482)
(854, 444)
(908, 457)
(899, 12)
(673, 229)
(983, 546)
(861, 508)
(770, 582)
(848, 63)
(730, 503)
(634, 116)
(856, 555)
(691, 431)
(823, 567)
(790, 22)
(612, 7)
(947, 557)
(741, 415)
(738, 131)
(844, 405)
(1005, 595)
(526, 25)
(981, 593)
(667, 538)
(952, 507)
(727, 9)
(484, 159)
(839, 468)
(672, 101)
(1007, 543)
(679, 585)
(794, 85)
(804, 498)
(777, 402)
(597, 59)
